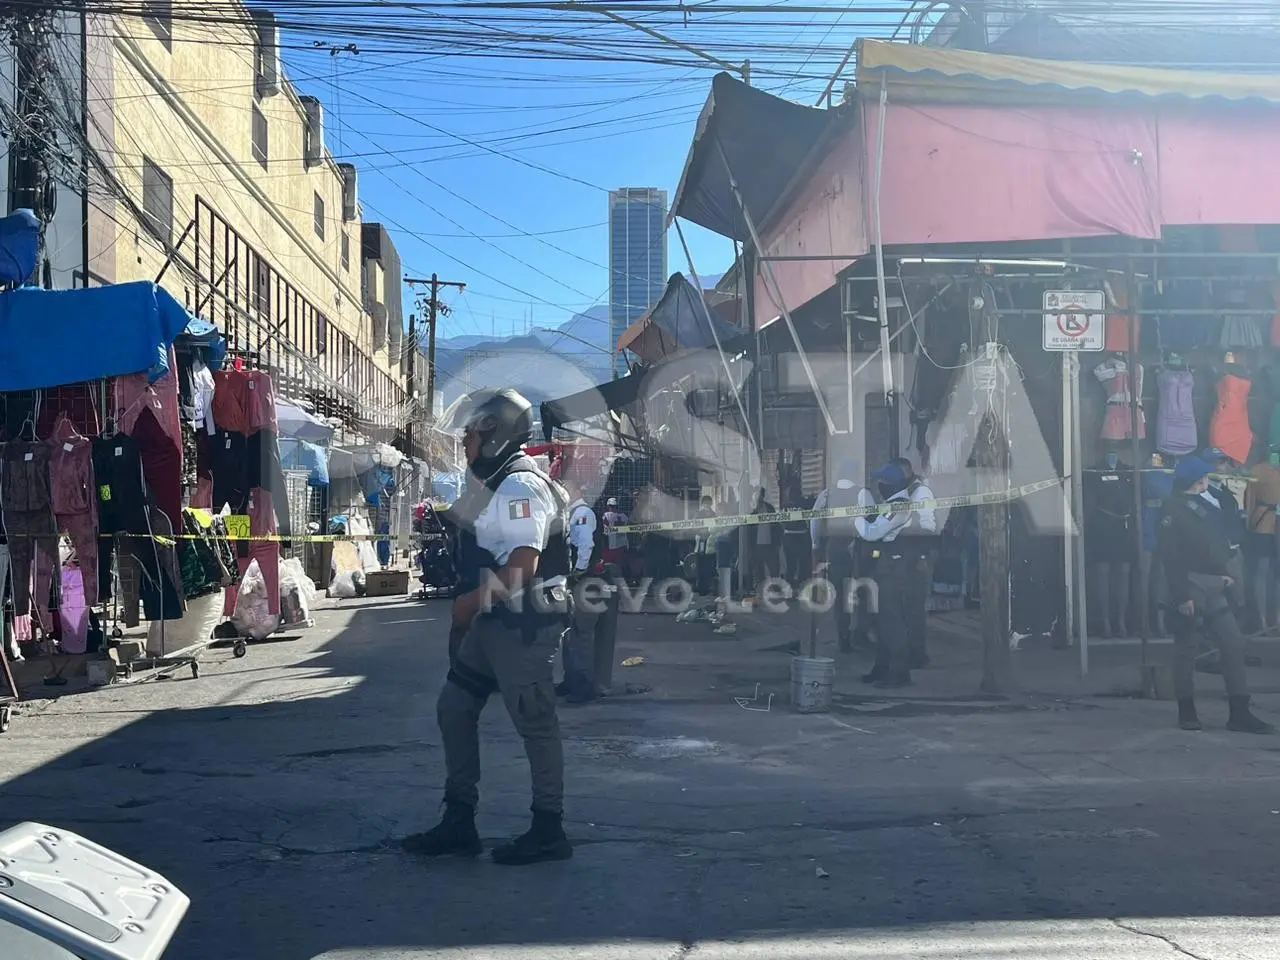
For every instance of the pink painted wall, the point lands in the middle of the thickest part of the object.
(969, 174)
(1217, 165)
(964, 174)
(825, 219)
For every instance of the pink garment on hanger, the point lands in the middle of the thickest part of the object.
(74, 611)
(244, 401)
(22, 632)
(75, 504)
(134, 395)
(1114, 375)
(262, 522)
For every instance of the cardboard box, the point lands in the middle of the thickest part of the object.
(387, 583)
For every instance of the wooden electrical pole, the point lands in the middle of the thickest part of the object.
(991, 452)
(434, 310)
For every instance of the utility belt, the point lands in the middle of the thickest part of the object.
(544, 604)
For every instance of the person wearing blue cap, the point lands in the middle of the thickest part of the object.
(924, 526)
(1198, 557)
(896, 565)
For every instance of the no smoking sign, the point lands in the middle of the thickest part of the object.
(1075, 320)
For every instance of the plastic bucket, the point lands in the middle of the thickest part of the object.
(811, 679)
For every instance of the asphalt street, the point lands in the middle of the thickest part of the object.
(273, 789)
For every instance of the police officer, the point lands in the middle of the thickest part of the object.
(590, 638)
(834, 545)
(897, 565)
(513, 518)
(923, 527)
(1197, 556)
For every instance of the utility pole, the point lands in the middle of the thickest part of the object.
(434, 310)
(991, 451)
(30, 185)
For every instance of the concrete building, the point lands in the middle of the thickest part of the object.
(637, 257)
(210, 172)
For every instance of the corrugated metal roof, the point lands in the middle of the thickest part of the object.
(931, 74)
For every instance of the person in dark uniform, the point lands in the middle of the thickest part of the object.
(513, 520)
(924, 527)
(897, 563)
(1197, 556)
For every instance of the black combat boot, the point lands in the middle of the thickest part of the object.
(454, 836)
(1188, 719)
(545, 840)
(1242, 720)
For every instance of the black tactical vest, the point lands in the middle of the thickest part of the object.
(472, 559)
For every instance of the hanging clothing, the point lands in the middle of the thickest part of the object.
(135, 395)
(74, 609)
(161, 463)
(1117, 327)
(75, 499)
(125, 508)
(1109, 515)
(244, 401)
(1229, 429)
(1175, 414)
(1240, 332)
(1122, 391)
(262, 523)
(242, 464)
(27, 501)
(1157, 487)
(202, 388)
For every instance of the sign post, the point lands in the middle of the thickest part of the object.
(1074, 323)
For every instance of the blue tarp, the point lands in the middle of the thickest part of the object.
(19, 247)
(202, 333)
(49, 338)
(300, 455)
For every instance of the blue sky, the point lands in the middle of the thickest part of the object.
(495, 171)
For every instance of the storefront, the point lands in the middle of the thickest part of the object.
(928, 224)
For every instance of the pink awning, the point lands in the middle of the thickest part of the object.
(966, 174)
(825, 219)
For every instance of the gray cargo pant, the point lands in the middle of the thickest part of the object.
(589, 646)
(493, 658)
(1213, 602)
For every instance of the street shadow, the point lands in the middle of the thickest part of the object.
(278, 808)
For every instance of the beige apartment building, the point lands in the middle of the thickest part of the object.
(214, 177)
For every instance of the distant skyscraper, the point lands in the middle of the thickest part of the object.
(637, 257)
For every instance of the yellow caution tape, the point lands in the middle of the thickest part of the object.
(828, 513)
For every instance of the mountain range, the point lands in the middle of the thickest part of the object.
(528, 361)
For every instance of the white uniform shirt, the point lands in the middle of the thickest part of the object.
(519, 514)
(582, 532)
(614, 517)
(926, 517)
(865, 499)
(886, 529)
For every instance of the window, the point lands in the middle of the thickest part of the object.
(158, 15)
(259, 136)
(157, 200)
(346, 251)
(319, 209)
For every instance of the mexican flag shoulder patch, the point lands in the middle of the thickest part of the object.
(520, 510)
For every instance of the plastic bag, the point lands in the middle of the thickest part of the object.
(297, 594)
(343, 586)
(253, 617)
